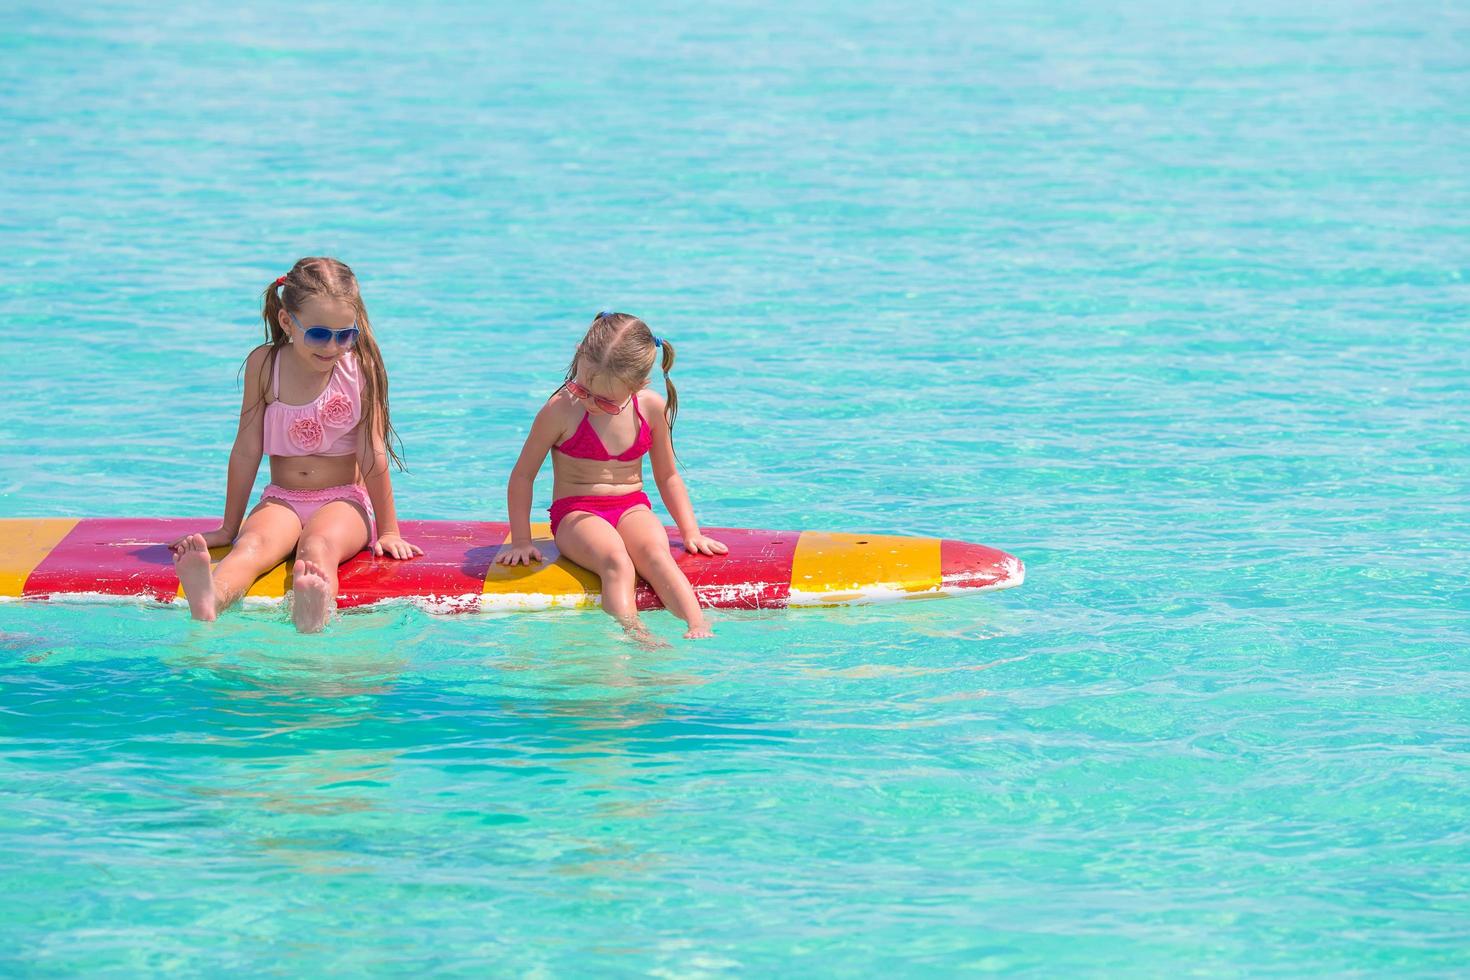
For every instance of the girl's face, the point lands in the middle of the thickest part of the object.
(321, 331)
(601, 394)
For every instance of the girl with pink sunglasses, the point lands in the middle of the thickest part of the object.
(600, 517)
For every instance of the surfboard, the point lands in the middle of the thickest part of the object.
(105, 557)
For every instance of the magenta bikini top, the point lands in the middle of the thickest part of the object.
(327, 426)
(585, 443)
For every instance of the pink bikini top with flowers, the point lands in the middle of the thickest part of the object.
(327, 426)
(585, 443)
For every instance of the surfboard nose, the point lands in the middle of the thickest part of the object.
(965, 566)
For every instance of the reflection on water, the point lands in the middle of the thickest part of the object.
(325, 756)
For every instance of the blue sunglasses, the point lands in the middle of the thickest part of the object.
(322, 336)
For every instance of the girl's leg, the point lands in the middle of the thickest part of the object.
(267, 536)
(648, 544)
(334, 534)
(592, 543)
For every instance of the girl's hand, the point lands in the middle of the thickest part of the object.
(217, 538)
(392, 544)
(525, 554)
(700, 544)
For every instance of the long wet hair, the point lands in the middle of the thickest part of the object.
(317, 276)
(620, 346)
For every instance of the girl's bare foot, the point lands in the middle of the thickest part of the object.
(699, 631)
(191, 562)
(634, 630)
(313, 602)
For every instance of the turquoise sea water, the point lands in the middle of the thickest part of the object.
(1170, 302)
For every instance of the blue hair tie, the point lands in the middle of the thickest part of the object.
(658, 341)
(602, 313)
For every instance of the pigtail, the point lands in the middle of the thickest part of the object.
(273, 302)
(671, 403)
(271, 311)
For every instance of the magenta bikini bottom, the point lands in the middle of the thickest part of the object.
(610, 508)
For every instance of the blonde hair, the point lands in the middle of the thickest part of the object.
(319, 276)
(620, 346)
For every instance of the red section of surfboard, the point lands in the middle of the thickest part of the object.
(114, 556)
(963, 565)
(450, 572)
(755, 574)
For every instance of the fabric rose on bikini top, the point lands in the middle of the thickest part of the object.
(306, 434)
(325, 427)
(338, 411)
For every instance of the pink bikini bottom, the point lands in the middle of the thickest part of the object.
(308, 502)
(610, 509)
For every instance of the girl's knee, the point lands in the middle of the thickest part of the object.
(617, 566)
(314, 547)
(249, 543)
(652, 555)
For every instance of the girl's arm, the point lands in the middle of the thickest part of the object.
(244, 455)
(521, 485)
(372, 461)
(670, 483)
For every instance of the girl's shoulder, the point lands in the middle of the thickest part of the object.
(561, 408)
(649, 399)
(258, 358)
(257, 371)
(651, 406)
(559, 417)
(560, 401)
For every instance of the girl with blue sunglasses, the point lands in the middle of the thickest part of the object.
(316, 403)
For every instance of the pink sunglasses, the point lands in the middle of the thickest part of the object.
(582, 394)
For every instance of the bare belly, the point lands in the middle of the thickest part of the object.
(313, 472)
(594, 478)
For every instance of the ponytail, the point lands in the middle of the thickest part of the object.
(671, 404)
(275, 334)
(271, 312)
